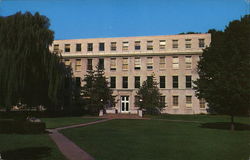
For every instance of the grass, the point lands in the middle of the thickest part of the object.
(162, 140)
(28, 147)
(66, 121)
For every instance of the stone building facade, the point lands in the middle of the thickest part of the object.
(128, 61)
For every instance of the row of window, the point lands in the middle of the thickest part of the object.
(175, 101)
(125, 45)
(137, 63)
(162, 82)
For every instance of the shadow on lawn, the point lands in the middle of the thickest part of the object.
(226, 126)
(31, 153)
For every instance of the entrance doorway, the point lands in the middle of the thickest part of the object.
(124, 104)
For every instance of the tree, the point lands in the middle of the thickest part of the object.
(149, 97)
(96, 89)
(29, 73)
(224, 70)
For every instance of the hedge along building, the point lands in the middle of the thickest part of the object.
(128, 61)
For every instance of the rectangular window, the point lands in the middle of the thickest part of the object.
(175, 43)
(149, 63)
(175, 101)
(188, 81)
(188, 43)
(78, 47)
(162, 82)
(175, 62)
(78, 65)
(125, 46)
(113, 64)
(201, 43)
(78, 81)
(67, 62)
(188, 62)
(162, 44)
(124, 82)
(175, 82)
(188, 101)
(137, 45)
(149, 45)
(137, 82)
(162, 63)
(101, 46)
(56, 48)
(137, 99)
(101, 63)
(89, 64)
(202, 103)
(125, 64)
(113, 46)
(163, 100)
(90, 47)
(67, 48)
(137, 63)
(112, 82)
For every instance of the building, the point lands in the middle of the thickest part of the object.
(128, 61)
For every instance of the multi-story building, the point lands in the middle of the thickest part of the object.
(128, 61)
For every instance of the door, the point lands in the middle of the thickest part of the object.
(124, 104)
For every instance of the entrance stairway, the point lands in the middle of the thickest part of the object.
(122, 116)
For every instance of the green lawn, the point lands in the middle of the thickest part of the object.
(28, 147)
(161, 140)
(66, 121)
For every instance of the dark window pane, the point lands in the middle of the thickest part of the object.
(78, 47)
(101, 63)
(112, 82)
(90, 46)
(78, 81)
(124, 82)
(162, 82)
(175, 82)
(89, 65)
(137, 82)
(188, 81)
(101, 47)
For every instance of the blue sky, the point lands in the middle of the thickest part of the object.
(74, 19)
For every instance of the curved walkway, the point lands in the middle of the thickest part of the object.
(68, 148)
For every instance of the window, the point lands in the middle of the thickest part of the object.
(112, 82)
(78, 81)
(113, 64)
(162, 63)
(137, 63)
(175, 101)
(188, 62)
(67, 48)
(78, 47)
(163, 100)
(137, 45)
(202, 103)
(149, 45)
(162, 81)
(175, 82)
(149, 78)
(90, 46)
(124, 82)
(175, 43)
(162, 44)
(67, 62)
(137, 82)
(137, 99)
(125, 46)
(175, 62)
(113, 46)
(78, 65)
(188, 81)
(201, 43)
(101, 47)
(101, 63)
(188, 43)
(56, 48)
(125, 64)
(149, 63)
(188, 101)
(89, 64)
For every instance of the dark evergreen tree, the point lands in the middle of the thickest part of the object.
(149, 97)
(224, 70)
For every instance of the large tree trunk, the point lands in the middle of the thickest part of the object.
(232, 123)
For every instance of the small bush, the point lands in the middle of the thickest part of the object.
(23, 127)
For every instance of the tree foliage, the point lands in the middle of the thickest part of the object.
(29, 73)
(224, 70)
(96, 91)
(149, 97)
